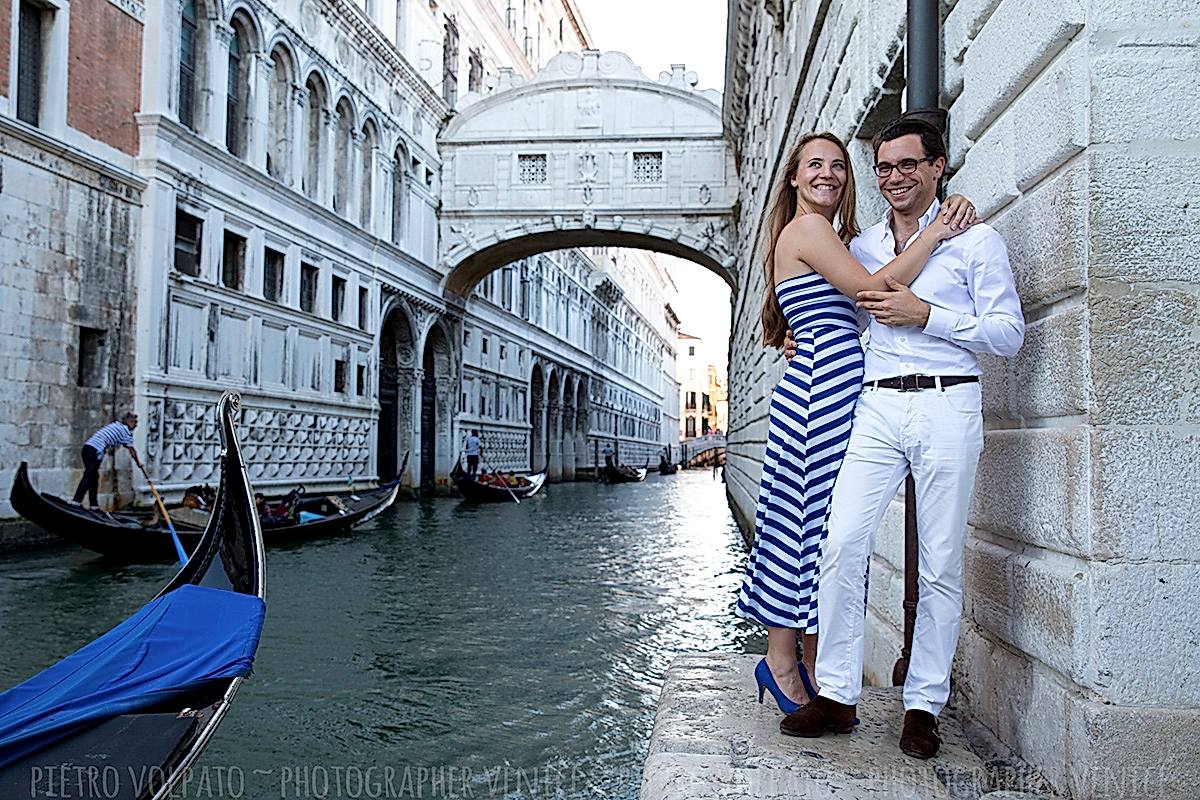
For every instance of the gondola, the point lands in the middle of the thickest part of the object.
(126, 536)
(129, 713)
(666, 467)
(477, 492)
(624, 474)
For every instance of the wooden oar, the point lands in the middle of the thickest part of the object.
(170, 525)
(511, 493)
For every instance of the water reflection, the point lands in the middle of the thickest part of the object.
(487, 651)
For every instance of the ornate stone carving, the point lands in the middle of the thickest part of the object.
(310, 17)
(705, 194)
(473, 197)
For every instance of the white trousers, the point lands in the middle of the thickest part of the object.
(938, 434)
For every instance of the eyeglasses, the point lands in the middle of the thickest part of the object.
(906, 166)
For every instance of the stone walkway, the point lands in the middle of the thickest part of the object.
(713, 740)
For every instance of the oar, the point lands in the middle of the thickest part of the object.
(170, 526)
(511, 493)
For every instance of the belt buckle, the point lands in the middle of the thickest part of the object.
(914, 386)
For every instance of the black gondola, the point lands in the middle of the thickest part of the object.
(128, 537)
(477, 492)
(666, 467)
(624, 474)
(141, 750)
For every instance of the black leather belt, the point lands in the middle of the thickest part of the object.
(914, 383)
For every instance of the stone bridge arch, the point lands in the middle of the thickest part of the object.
(588, 152)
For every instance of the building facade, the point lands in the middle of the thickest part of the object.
(703, 393)
(258, 211)
(70, 203)
(1068, 122)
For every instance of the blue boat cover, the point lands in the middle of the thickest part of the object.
(176, 643)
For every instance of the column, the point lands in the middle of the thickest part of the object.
(412, 473)
(555, 442)
(354, 177)
(298, 153)
(328, 163)
(210, 111)
(383, 217)
(259, 102)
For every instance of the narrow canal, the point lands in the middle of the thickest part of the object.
(444, 650)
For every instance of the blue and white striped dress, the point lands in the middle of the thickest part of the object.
(811, 412)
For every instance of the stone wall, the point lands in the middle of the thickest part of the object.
(67, 231)
(1072, 126)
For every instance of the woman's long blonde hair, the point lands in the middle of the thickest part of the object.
(783, 209)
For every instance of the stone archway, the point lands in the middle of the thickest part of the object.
(583, 458)
(397, 379)
(554, 426)
(437, 452)
(588, 152)
(567, 426)
(537, 420)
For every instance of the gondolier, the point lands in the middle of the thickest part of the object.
(473, 448)
(111, 435)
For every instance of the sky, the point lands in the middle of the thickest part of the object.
(656, 34)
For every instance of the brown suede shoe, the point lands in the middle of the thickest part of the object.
(819, 717)
(919, 738)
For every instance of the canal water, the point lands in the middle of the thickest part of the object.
(443, 650)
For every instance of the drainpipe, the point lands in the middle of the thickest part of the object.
(922, 61)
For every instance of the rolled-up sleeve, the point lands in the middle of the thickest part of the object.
(998, 325)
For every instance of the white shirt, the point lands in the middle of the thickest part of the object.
(974, 304)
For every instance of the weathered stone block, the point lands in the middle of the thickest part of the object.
(1116, 15)
(1141, 609)
(1143, 359)
(987, 584)
(1052, 614)
(1143, 89)
(1046, 232)
(886, 593)
(1032, 486)
(1019, 39)
(1056, 107)
(1128, 184)
(987, 175)
(1133, 523)
(1131, 753)
(1049, 374)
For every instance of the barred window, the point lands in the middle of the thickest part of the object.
(29, 62)
(273, 264)
(187, 65)
(532, 168)
(188, 231)
(647, 167)
(308, 288)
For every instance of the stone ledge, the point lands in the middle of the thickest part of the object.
(711, 740)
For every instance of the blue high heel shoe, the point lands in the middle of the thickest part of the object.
(766, 683)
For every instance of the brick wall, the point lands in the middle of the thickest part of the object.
(67, 236)
(1073, 127)
(104, 78)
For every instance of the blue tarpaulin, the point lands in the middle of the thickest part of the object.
(174, 644)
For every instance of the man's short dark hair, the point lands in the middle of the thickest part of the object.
(931, 137)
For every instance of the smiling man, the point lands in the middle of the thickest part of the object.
(919, 411)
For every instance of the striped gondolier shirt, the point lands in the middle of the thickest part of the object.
(111, 435)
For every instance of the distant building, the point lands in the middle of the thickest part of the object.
(258, 211)
(703, 393)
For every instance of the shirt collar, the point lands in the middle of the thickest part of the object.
(926, 218)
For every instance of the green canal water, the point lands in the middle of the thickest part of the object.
(442, 650)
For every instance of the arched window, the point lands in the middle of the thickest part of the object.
(341, 177)
(189, 50)
(399, 201)
(314, 137)
(237, 91)
(279, 126)
(366, 207)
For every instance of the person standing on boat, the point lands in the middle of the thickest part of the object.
(474, 448)
(111, 435)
